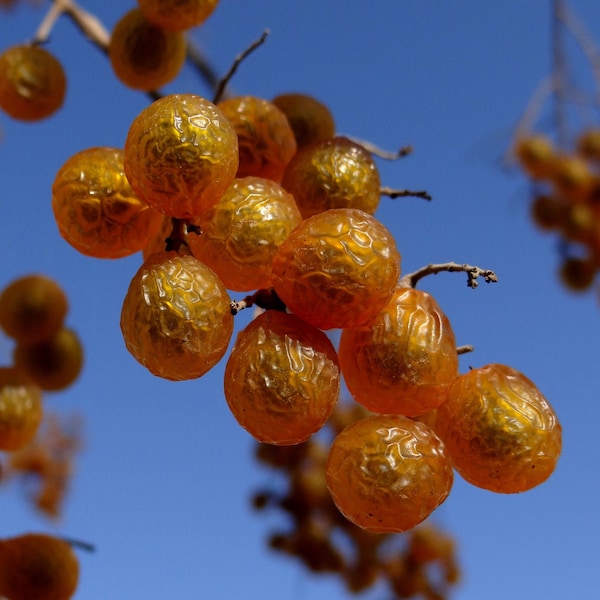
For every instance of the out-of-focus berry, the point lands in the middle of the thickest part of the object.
(177, 15)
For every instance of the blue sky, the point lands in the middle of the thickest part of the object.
(163, 486)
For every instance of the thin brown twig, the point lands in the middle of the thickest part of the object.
(473, 273)
(236, 63)
(464, 349)
(391, 193)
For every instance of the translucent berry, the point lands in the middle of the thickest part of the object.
(266, 140)
(337, 173)
(53, 364)
(500, 432)
(176, 318)
(535, 154)
(143, 55)
(338, 268)
(310, 120)
(37, 566)
(572, 178)
(387, 473)
(177, 15)
(578, 273)
(404, 361)
(95, 208)
(588, 144)
(33, 83)
(32, 308)
(181, 155)
(21, 409)
(242, 232)
(282, 379)
(548, 212)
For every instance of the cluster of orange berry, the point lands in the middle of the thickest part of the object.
(419, 563)
(224, 197)
(566, 200)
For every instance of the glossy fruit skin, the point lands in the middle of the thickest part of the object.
(144, 56)
(387, 473)
(32, 308)
(181, 155)
(405, 360)
(338, 268)
(266, 140)
(21, 409)
(37, 566)
(500, 432)
(33, 83)
(337, 173)
(95, 208)
(53, 364)
(242, 232)
(282, 379)
(177, 15)
(176, 318)
(310, 120)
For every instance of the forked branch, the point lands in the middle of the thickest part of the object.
(473, 273)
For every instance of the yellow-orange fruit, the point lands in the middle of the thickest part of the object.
(37, 566)
(242, 232)
(266, 140)
(176, 318)
(53, 364)
(32, 308)
(310, 120)
(33, 83)
(404, 361)
(95, 208)
(177, 15)
(338, 268)
(337, 173)
(21, 409)
(387, 473)
(282, 379)
(500, 431)
(535, 154)
(181, 155)
(143, 55)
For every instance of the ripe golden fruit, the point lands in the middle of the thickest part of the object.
(181, 155)
(176, 318)
(177, 15)
(33, 83)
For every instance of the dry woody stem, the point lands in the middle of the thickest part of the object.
(473, 273)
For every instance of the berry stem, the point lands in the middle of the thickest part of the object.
(266, 299)
(379, 152)
(473, 273)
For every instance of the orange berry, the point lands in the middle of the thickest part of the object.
(53, 364)
(404, 361)
(143, 55)
(548, 212)
(266, 140)
(572, 178)
(310, 120)
(578, 274)
(387, 473)
(242, 232)
(37, 566)
(337, 173)
(96, 210)
(282, 379)
(32, 308)
(176, 318)
(588, 144)
(33, 83)
(500, 432)
(338, 268)
(181, 155)
(21, 409)
(535, 154)
(177, 15)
